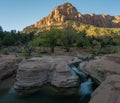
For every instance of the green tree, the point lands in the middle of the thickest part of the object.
(105, 40)
(115, 39)
(68, 37)
(81, 39)
(50, 38)
(96, 46)
(1, 29)
(9, 40)
(36, 42)
(27, 50)
(1, 38)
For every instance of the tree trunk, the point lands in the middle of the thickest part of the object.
(67, 49)
(52, 49)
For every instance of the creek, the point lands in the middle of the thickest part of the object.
(87, 84)
(47, 95)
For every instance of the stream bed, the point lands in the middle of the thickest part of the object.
(47, 95)
(44, 96)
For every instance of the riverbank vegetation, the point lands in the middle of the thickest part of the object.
(66, 39)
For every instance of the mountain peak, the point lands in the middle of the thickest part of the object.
(66, 5)
(67, 11)
(60, 14)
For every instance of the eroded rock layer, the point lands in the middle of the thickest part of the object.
(38, 71)
(8, 66)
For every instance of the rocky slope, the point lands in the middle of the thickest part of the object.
(67, 12)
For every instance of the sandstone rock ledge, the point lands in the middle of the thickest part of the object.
(35, 72)
(103, 67)
(108, 91)
(107, 71)
(8, 65)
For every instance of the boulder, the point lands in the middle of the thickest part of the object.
(105, 69)
(8, 66)
(108, 91)
(38, 71)
(32, 73)
(101, 68)
(64, 76)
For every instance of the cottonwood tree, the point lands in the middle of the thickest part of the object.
(50, 38)
(68, 37)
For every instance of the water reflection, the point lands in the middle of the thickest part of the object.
(42, 96)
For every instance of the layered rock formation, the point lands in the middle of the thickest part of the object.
(8, 66)
(101, 68)
(67, 12)
(107, 71)
(108, 91)
(38, 71)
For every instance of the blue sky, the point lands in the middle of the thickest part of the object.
(17, 14)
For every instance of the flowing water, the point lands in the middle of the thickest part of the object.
(87, 86)
(77, 71)
(47, 95)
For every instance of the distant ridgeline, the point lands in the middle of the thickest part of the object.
(67, 14)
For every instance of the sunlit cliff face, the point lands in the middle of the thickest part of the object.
(67, 12)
